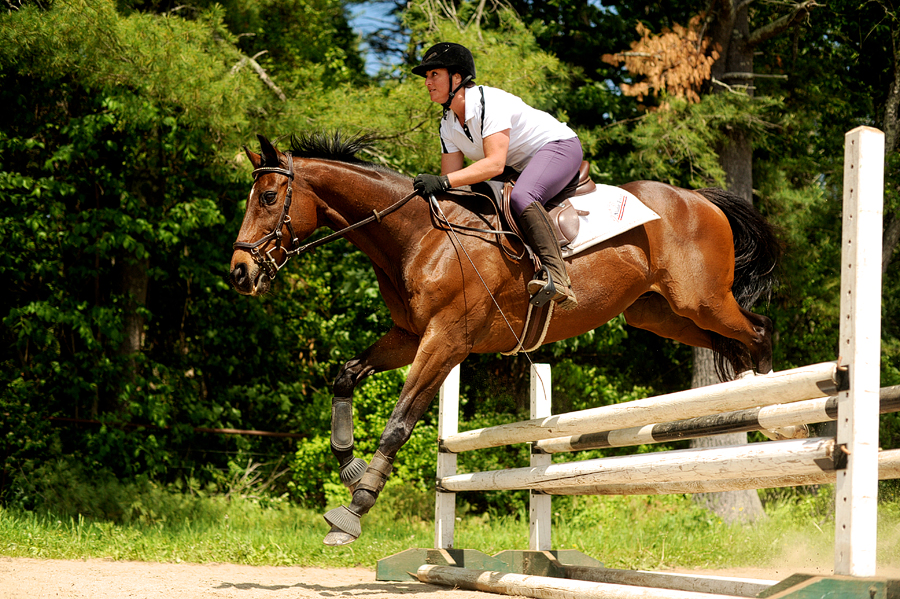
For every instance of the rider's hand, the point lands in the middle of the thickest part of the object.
(428, 185)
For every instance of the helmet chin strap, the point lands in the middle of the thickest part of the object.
(446, 104)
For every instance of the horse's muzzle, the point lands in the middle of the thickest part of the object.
(249, 279)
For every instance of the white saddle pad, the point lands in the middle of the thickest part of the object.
(612, 211)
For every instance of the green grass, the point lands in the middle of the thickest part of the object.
(622, 532)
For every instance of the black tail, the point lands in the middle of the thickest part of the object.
(757, 251)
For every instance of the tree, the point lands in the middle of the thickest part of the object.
(120, 198)
(715, 51)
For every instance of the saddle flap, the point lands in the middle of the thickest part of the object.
(563, 216)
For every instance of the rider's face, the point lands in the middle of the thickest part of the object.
(438, 83)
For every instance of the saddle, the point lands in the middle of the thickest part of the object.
(564, 220)
(563, 215)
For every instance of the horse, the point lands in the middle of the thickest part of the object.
(690, 276)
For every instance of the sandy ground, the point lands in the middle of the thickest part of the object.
(22, 578)
(100, 579)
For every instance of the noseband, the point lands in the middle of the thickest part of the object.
(266, 261)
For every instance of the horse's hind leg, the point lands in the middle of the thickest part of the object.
(723, 315)
(695, 327)
(764, 329)
(395, 349)
(652, 312)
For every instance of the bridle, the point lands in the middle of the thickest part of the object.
(266, 261)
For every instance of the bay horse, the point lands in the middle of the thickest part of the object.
(690, 276)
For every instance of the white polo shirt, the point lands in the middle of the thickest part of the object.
(529, 128)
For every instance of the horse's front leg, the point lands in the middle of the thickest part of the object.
(395, 349)
(430, 368)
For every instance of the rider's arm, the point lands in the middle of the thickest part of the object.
(450, 163)
(496, 147)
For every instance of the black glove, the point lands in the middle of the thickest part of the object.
(427, 184)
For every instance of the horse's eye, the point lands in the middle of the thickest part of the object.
(268, 197)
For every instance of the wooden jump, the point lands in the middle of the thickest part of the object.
(807, 382)
(797, 457)
(888, 469)
(765, 419)
(543, 587)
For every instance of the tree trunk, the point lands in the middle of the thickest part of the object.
(134, 288)
(731, 506)
(891, 129)
(133, 280)
(734, 68)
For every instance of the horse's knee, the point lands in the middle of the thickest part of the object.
(395, 436)
(347, 379)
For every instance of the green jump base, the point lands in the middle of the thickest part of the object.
(402, 566)
(807, 586)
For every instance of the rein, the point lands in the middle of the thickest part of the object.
(441, 219)
(266, 261)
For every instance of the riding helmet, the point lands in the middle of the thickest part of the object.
(450, 56)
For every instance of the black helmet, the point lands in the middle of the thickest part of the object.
(450, 56)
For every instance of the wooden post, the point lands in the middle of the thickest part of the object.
(856, 489)
(448, 424)
(540, 503)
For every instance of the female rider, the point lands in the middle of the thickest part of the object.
(495, 129)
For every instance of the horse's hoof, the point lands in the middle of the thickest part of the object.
(336, 538)
(345, 526)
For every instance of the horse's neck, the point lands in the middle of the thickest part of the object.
(354, 193)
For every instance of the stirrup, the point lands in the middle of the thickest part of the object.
(546, 294)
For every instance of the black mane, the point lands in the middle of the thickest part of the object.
(334, 146)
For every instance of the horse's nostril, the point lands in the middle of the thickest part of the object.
(239, 275)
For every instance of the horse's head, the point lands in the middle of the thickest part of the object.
(274, 224)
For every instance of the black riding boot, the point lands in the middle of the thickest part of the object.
(538, 232)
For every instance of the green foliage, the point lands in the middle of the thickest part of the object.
(102, 157)
(679, 145)
(120, 162)
(155, 523)
(117, 164)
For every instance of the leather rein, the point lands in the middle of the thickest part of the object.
(266, 261)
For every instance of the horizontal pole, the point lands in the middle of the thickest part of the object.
(774, 458)
(888, 469)
(767, 418)
(807, 382)
(544, 587)
(723, 585)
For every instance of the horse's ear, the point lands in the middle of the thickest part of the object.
(255, 159)
(270, 154)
